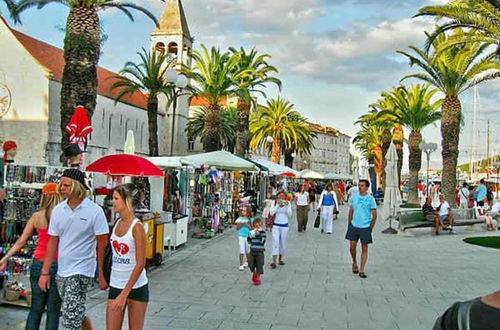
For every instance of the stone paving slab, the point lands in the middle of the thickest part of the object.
(412, 279)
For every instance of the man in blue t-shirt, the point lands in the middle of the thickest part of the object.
(481, 192)
(362, 218)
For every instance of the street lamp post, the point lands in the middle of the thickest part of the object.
(428, 148)
(179, 82)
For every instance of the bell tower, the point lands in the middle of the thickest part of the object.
(172, 35)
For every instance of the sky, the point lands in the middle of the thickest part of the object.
(335, 57)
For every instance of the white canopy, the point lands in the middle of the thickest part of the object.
(275, 169)
(167, 162)
(308, 174)
(222, 160)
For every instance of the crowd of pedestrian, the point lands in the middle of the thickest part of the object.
(323, 198)
(74, 234)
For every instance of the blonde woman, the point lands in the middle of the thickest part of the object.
(128, 287)
(41, 300)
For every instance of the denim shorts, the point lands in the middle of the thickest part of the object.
(359, 234)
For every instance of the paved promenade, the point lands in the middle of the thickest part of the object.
(410, 281)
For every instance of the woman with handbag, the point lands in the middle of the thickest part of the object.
(128, 287)
(41, 300)
(328, 204)
(282, 210)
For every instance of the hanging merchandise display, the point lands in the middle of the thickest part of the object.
(22, 189)
(212, 200)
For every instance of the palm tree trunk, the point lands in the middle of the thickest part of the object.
(82, 45)
(378, 161)
(242, 132)
(276, 151)
(398, 138)
(415, 163)
(153, 125)
(450, 131)
(213, 126)
(386, 142)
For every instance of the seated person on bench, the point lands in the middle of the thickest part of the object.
(495, 210)
(482, 215)
(427, 208)
(443, 215)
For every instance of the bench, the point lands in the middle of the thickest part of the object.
(415, 219)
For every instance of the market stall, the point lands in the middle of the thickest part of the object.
(173, 201)
(117, 168)
(21, 191)
(216, 186)
(281, 177)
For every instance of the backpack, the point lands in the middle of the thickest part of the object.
(489, 195)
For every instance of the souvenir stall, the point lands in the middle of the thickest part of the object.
(173, 201)
(21, 191)
(120, 168)
(215, 189)
(280, 176)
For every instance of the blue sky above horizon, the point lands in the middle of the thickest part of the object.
(334, 56)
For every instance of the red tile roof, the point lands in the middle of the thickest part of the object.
(198, 101)
(52, 59)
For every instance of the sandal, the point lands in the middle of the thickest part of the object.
(282, 263)
(273, 265)
(362, 275)
(355, 269)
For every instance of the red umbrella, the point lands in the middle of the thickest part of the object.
(79, 126)
(126, 165)
(289, 174)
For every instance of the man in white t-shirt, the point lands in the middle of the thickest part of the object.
(464, 195)
(352, 191)
(76, 225)
(443, 215)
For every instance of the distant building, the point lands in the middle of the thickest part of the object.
(30, 85)
(330, 153)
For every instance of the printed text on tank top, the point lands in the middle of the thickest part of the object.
(121, 249)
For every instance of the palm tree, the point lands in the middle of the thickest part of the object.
(414, 110)
(480, 17)
(369, 140)
(11, 7)
(148, 77)
(288, 128)
(82, 48)
(452, 71)
(391, 131)
(212, 77)
(251, 74)
(197, 126)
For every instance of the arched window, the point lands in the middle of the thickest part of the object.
(160, 47)
(172, 49)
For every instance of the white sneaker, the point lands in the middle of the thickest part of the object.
(245, 264)
(241, 267)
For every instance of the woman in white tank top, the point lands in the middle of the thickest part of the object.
(128, 287)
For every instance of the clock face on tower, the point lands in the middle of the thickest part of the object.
(5, 100)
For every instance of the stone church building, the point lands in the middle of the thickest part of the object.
(30, 84)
